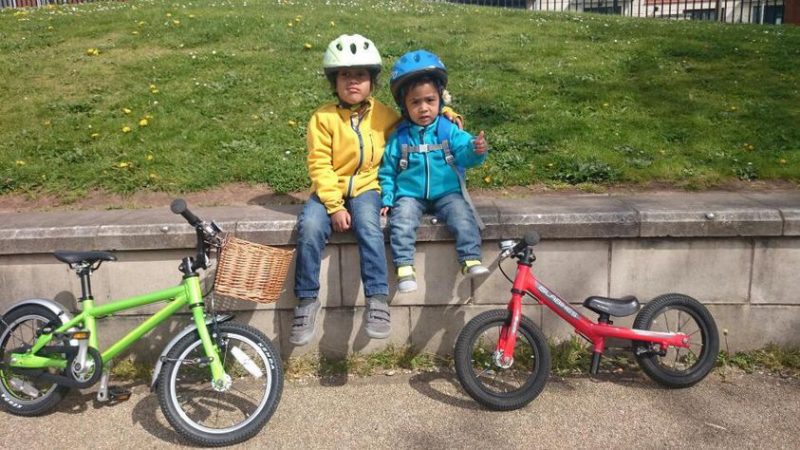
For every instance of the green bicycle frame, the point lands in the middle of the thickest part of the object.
(188, 293)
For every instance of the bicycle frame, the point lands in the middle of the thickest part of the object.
(188, 293)
(595, 332)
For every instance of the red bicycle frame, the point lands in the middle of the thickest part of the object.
(595, 332)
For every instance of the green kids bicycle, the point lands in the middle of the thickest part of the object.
(218, 382)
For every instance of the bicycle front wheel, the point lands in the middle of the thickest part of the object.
(211, 417)
(501, 388)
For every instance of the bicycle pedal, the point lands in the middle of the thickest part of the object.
(118, 394)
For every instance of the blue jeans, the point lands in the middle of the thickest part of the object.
(313, 230)
(451, 209)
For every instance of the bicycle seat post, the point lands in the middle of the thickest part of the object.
(84, 271)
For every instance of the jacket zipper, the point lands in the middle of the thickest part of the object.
(355, 128)
(427, 167)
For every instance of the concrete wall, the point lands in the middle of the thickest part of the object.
(737, 253)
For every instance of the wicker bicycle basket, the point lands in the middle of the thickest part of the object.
(251, 271)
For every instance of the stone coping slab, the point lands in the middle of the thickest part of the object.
(555, 216)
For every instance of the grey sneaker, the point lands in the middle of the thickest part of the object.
(305, 317)
(473, 268)
(377, 320)
(406, 279)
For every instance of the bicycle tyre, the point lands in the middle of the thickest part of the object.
(18, 328)
(179, 372)
(474, 385)
(699, 364)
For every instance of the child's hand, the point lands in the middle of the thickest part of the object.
(340, 221)
(480, 144)
(385, 211)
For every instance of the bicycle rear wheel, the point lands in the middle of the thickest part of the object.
(20, 394)
(492, 386)
(210, 417)
(679, 367)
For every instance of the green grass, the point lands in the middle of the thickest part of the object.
(226, 90)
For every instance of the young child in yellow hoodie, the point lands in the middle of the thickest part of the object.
(345, 145)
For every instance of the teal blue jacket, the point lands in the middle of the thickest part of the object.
(428, 176)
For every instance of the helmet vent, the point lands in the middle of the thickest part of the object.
(416, 57)
(366, 45)
(339, 46)
(353, 48)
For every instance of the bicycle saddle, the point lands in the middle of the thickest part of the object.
(71, 257)
(617, 307)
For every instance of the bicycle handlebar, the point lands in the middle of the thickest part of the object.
(178, 206)
(530, 239)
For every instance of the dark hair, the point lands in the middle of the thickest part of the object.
(423, 79)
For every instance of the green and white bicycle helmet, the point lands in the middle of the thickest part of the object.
(351, 50)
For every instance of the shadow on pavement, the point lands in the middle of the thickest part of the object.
(423, 383)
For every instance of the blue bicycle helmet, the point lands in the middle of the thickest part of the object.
(412, 65)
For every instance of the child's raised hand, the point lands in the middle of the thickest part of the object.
(480, 144)
(385, 211)
(340, 220)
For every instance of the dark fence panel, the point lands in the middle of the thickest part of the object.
(770, 12)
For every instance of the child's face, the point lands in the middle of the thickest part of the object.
(353, 85)
(422, 103)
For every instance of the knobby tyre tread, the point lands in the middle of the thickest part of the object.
(242, 434)
(474, 387)
(709, 335)
(10, 402)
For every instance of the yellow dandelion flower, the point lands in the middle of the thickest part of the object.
(92, 52)
(176, 22)
(605, 105)
(169, 14)
(782, 161)
(191, 16)
(292, 123)
(95, 135)
(153, 176)
(141, 23)
(487, 179)
(298, 18)
(47, 123)
(50, 27)
(291, 24)
(21, 162)
(307, 46)
(143, 123)
(333, 24)
(123, 165)
(150, 157)
(126, 129)
(152, 86)
(126, 110)
(134, 32)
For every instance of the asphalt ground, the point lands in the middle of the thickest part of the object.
(428, 410)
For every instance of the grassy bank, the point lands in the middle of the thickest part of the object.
(183, 96)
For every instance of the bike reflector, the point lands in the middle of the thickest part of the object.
(246, 362)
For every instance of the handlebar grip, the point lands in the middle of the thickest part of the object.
(531, 238)
(178, 206)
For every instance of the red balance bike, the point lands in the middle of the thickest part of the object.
(503, 360)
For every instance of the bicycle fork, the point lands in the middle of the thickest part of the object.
(220, 380)
(504, 352)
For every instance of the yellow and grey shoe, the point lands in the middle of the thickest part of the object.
(406, 279)
(473, 268)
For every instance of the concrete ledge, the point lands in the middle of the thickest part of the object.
(555, 216)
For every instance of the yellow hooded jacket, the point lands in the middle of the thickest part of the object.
(345, 149)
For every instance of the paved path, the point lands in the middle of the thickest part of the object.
(427, 410)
